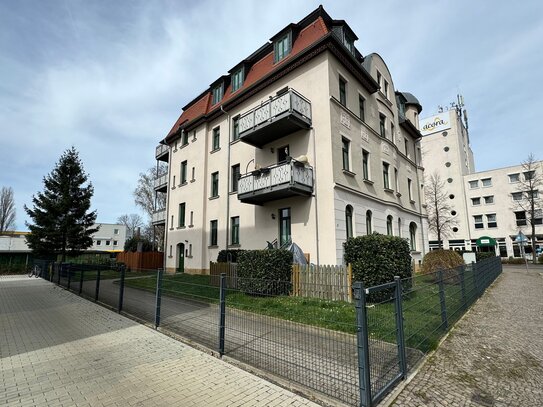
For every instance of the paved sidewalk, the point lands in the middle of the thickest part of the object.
(57, 349)
(494, 356)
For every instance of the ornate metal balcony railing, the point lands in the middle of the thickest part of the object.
(276, 182)
(275, 118)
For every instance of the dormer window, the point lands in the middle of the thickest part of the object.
(282, 47)
(237, 79)
(349, 43)
(217, 94)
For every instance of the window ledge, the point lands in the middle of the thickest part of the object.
(183, 146)
(182, 184)
(349, 173)
(170, 257)
(175, 150)
(211, 198)
(171, 228)
(398, 194)
(390, 191)
(368, 181)
(213, 246)
(192, 180)
(173, 186)
(191, 226)
(215, 150)
(234, 245)
(181, 227)
(232, 192)
(235, 141)
(412, 201)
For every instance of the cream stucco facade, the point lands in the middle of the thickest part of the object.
(329, 190)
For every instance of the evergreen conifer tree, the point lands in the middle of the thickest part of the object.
(61, 219)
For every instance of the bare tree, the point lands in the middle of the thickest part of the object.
(530, 181)
(7, 210)
(132, 223)
(440, 219)
(145, 196)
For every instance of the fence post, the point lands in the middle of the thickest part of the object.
(463, 286)
(222, 310)
(97, 290)
(444, 321)
(364, 385)
(69, 271)
(81, 282)
(158, 301)
(400, 337)
(121, 291)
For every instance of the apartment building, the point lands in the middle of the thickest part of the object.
(306, 140)
(484, 204)
(109, 238)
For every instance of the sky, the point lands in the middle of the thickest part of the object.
(111, 77)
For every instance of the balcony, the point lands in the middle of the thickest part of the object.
(161, 183)
(162, 152)
(276, 182)
(159, 217)
(276, 117)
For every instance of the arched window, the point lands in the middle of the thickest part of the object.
(399, 227)
(389, 225)
(349, 220)
(413, 235)
(368, 223)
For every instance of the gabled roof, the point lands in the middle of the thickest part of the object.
(311, 30)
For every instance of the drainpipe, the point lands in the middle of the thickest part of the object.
(228, 175)
(315, 193)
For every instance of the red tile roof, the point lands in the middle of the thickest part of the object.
(307, 37)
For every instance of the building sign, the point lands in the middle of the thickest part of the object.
(432, 124)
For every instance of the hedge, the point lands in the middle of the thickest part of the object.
(265, 272)
(376, 259)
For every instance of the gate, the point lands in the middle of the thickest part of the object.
(381, 363)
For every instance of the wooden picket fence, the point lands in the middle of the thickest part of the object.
(325, 282)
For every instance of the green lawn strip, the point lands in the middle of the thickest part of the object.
(421, 308)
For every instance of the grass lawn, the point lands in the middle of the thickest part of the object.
(421, 308)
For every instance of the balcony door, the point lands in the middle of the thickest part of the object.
(284, 226)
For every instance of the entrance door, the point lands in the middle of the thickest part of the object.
(180, 258)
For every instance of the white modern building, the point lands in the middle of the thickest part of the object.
(484, 204)
(305, 141)
(110, 237)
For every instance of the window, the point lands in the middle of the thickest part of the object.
(365, 164)
(115, 231)
(213, 225)
(184, 138)
(237, 79)
(396, 180)
(517, 196)
(406, 147)
(98, 243)
(410, 189)
(282, 47)
(193, 170)
(514, 178)
(368, 223)
(413, 236)
(282, 154)
(342, 91)
(234, 230)
(349, 221)
(235, 177)
(171, 222)
(361, 107)
(108, 242)
(115, 243)
(217, 94)
(489, 199)
(216, 138)
(487, 182)
(533, 194)
(215, 184)
(181, 215)
(184, 172)
(399, 227)
(235, 129)
(345, 152)
(385, 90)
(478, 220)
(191, 219)
(491, 220)
(473, 184)
(520, 217)
(382, 125)
(528, 175)
(194, 135)
(379, 78)
(284, 226)
(392, 132)
(386, 181)
(389, 225)
(476, 201)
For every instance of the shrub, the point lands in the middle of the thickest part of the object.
(513, 260)
(131, 244)
(446, 260)
(484, 255)
(265, 272)
(234, 254)
(376, 259)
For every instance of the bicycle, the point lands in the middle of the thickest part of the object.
(35, 271)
